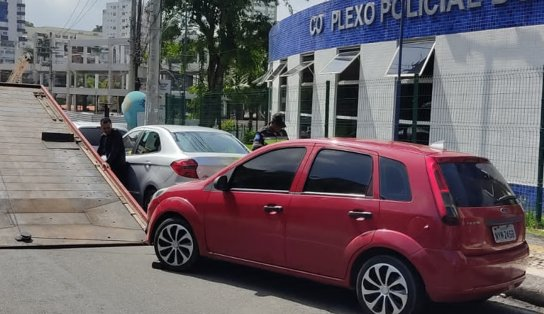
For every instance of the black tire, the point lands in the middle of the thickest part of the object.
(147, 197)
(175, 245)
(386, 282)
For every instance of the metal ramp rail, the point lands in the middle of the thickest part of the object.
(54, 188)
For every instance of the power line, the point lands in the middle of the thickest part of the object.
(72, 14)
(82, 14)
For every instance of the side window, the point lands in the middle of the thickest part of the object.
(150, 143)
(340, 172)
(130, 141)
(394, 184)
(274, 170)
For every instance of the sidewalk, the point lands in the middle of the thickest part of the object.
(532, 289)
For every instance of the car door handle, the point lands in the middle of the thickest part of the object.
(273, 209)
(359, 215)
(147, 164)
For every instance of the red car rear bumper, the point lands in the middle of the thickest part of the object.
(451, 276)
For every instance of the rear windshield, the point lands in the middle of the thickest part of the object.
(209, 142)
(476, 184)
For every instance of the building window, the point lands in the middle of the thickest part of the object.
(283, 89)
(347, 66)
(306, 98)
(415, 56)
(306, 70)
(416, 90)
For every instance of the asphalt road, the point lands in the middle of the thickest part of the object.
(122, 280)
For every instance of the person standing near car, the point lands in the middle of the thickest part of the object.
(112, 148)
(275, 131)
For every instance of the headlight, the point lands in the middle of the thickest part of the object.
(158, 193)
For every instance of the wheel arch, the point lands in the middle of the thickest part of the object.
(376, 251)
(387, 242)
(177, 207)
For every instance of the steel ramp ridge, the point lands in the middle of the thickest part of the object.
(54, 188)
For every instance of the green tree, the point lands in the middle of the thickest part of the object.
(97, 28)
(227, 28)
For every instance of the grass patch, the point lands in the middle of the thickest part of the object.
(533, 226)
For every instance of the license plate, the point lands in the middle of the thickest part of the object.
(504, 233)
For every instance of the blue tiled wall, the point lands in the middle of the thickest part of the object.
(292, 35)
(526, 194)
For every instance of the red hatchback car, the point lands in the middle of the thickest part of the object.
(399, 223)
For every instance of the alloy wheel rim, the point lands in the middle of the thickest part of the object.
(175, 245)
(384, 289)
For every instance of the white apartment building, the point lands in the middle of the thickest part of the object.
(116, 19)
(269, 10)
(12, 28)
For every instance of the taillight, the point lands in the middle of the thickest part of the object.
(185, 168)
(444, 201)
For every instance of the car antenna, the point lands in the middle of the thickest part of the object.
(438, 145)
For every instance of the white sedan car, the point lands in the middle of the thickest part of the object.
(159, 156)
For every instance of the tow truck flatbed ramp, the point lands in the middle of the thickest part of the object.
(54, 189)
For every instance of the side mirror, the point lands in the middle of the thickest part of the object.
(221, 183)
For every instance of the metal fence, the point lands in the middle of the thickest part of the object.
(241, 113)
(497, 115)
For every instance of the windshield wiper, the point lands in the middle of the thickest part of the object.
(507, 197)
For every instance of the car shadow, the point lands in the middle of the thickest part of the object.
(312, 294)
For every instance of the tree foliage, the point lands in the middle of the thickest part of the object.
(233, 36)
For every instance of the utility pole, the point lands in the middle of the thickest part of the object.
(132, 74)
(153, 65)
(398, 86)
(184, 66)
(138, 51)
(51, 74)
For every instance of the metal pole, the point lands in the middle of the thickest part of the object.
(153, 65)
(132, 72)
(396, 117)
(51, 75)
(184, 67)
(540, 159)
(415, 107)
(327, 106)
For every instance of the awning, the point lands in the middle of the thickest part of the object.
(340, 62)
(415, 56)
(260, 80)
(298, 68)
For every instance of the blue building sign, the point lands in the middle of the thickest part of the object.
(3, 11)
(343, 23)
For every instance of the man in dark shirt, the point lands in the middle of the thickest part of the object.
(112, 149)
(274, 131)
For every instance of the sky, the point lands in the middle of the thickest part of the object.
(86, 14)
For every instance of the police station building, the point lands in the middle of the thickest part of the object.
(471, 75)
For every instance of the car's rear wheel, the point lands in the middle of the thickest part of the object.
(386, 285)
(175, 244)
(148, 194)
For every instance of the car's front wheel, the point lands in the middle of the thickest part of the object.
(386, 285)
(175, 244)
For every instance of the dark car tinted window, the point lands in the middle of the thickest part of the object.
(149, 143)
(130, 140)
(340, 172)
(394, 183)
(476, 184)
(274, 170)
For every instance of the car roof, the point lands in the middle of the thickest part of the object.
(381, 146)
(91, 124)
(179, 128)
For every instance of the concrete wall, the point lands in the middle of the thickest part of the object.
(496, 111)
